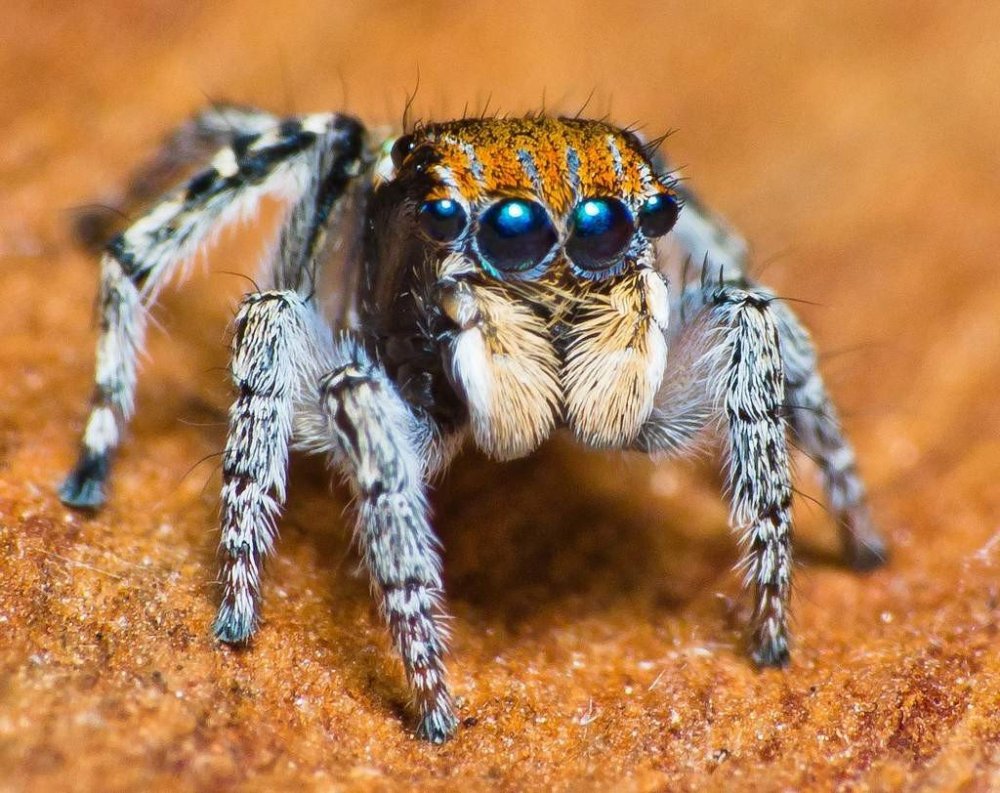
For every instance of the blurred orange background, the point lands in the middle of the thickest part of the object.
(597, 612)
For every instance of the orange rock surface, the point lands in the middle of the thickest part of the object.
(597, 612)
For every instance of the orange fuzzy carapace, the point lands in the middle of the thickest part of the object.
(557, 160)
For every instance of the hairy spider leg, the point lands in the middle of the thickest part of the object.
(728, 366)
(190, 145)
(280, 346)
(310, 159)
(722, 256)
(815, 424)
(380, 445)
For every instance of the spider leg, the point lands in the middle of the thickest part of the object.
(190, 145)
(705, 238)
(817, 431)
(729, 364)
(310, 159)
(277, 349)
(381, 446)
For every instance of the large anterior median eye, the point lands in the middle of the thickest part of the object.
(658, 215)
(442, 220)
(601, 229)
(515, 235)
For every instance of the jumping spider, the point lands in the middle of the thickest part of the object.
(495, 277)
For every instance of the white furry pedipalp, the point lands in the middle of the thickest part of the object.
(616, 359)
(505, 366)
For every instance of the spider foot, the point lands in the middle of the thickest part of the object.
(770, 650)
(234, 625)
(84, 487)
(438, 725)
(864, 547)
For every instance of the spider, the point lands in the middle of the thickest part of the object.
(499, 278)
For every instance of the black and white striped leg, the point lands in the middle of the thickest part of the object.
(730, 363)
(311, 160)
(706, 239)
(275, 352)
(190, 145)
(378, 448)
(815, 423)
(759, 469)
(122, 329)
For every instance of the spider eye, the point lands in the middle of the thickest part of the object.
(515, 235)
(601, 229)
(442, 220)
(658, 215)
(402, 147)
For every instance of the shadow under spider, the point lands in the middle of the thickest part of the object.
(538, 535)
(564, 531)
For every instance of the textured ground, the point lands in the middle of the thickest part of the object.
(597, 611)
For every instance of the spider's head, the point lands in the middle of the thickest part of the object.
(535, 239)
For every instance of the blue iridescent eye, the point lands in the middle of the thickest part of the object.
(515, 235)
(442, 220)
(658, 215)
(600, 233)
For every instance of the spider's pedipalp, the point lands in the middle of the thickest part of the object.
(503, 363)
(616, 354)
(310, 160)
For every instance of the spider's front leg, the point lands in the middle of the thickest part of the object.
(379, 445)
(276, 353)
(727, 359)
(759, 476)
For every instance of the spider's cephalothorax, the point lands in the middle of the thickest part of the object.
(522, 253)
(496, 277)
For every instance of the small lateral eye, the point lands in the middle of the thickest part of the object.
(515, 235)
(658, 215)
(402, 147)
(601, 229)
(442, 220)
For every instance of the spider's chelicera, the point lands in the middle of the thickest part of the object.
(507, 284)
